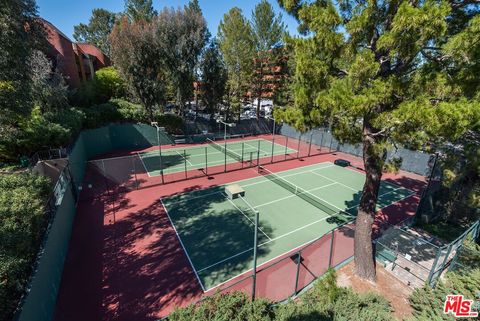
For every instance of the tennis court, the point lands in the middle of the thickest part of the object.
(296, 206)
(176, 160)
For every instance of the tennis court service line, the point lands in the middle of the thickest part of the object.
(351, 188)
(290, 196)
(246, 185)
(284, 235)
(145, 167)
(243, 213)
(267, 242)
(283, 176)
(183, 246)
(176, 151)
(255, 148)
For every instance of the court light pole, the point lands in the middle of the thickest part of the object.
(273, 136)
(225, 127)
(255, 246)
(155, 124)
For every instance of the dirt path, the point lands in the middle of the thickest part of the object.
(387, 286)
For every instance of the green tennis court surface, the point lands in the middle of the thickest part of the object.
(174, 159)
(217, 233)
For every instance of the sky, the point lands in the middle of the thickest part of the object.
(65, 14)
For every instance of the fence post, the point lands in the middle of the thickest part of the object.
(299, 262)
(310, 144)
(298, 146)
(225, 165)
(258, 154)
(446, 256)
(321, 139)
(255, 245)
(134, 172)
(432, 271)
(286, 146)
(243, 148)
(206, 162)
(185, 162)
(331, 250)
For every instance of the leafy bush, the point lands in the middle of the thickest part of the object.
(40, 131)
(22, 225)
(108, 84)
(427, 303)
(51, 129)
(325, 302)
(99, 115)
(227, 307)
(172, 123)
(119, 110)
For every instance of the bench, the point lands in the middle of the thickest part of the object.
(233, 191)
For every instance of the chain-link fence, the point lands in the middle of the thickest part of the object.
(172, 164)
(417, 258)
(289, 274)
(412, 161)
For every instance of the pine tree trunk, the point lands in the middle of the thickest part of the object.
(363, 250)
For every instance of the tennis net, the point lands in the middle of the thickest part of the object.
(302, 193)
(225, 150)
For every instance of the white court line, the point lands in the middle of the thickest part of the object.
(184, 158)
(351, 188)
(145, 167)
(183, 246)
(264, 180)
(247, 217)
(293, 195)
(289, 175)
(265, 243)
(259, 148)
(178, 168)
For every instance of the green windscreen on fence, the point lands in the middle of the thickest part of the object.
(39, 303)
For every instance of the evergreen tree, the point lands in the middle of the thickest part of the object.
(268, 31)
(214, 78)
(236, 44)
(382, 74)
(137, 10)
(97, 30)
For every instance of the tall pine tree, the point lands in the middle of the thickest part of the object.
(382, 74)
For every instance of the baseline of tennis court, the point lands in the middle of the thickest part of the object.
(295, 206)
(173, 159)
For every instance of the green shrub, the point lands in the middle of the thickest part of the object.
(173, 124)
(365, 307)
(22, 225)
(131, 112)
(236, 306)
(427, 303)
(50, 130)
(327, 301)
(108, 84)
(99, 115)
(40, 131)
(119, 110)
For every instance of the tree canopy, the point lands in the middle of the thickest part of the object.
(382, 74)
(97, 30)
(138, 10)
(214, 77)
(235, 38)
(268, 31)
